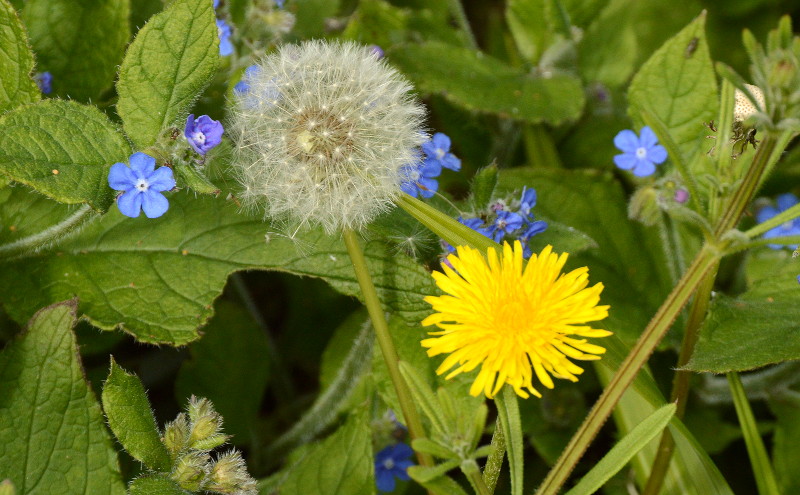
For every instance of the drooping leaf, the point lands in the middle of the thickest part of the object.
(621, 453)
(129, 416)
(16, 61)
(63, 150)
(167, 66)
(340, 464)
(157, 278)
(230, 367)
(53, 438)
(79, 43)
(678, 85)
(476, 81)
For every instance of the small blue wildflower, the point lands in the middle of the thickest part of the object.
(203, 133)
(224, 33)
(45, 82)
(420, 179)
(527, 202)
(438, 153)
(243, 86)
(639, 154)
(279, 3)
(216, 3)
(792, 227)
(390, 463)
(376, 50)
(142, 186)
(505, 223)
(531, 230)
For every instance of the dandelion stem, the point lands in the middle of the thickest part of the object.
(48, 235)
(491, 472)
(373, 304)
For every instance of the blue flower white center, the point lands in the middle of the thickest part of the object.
(440, 153)
(788, 225)
(198, 137)
(414, 175)
(641, 153)
(388, 463)
(142, 185)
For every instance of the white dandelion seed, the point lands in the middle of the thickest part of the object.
(322, 134)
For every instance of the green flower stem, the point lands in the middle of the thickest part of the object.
(704, 262)
(788, 240)
(765, 477)
(539, 147)
(475, 479)
(491, 471)
(457, 11)
(48, 235)
(773, 222)
(373, 304)
(680, 381)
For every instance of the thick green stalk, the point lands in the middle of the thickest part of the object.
(373, 304)
(680, 382)
(765, 477)
(476, 480)
(539, 147)
(491, 471)
(705, 260)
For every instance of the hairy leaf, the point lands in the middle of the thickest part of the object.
(170, 62)
(16, 61)
(63, 150)
(53, 438)
(79, 43)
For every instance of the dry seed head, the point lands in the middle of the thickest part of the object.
(322, 134)
(743, 108)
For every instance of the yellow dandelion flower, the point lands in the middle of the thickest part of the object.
(513, 322)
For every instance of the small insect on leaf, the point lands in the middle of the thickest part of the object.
(691, 47)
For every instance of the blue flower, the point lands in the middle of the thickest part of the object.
(243, 86)
(216, 3)
(279, 3)
(419, 179)
(391, 463)
(639, 154)
(45, 82)
(224, 32)
(142, 186)
(376, 50)
(527, 202)
(505, 223)
(792, 227)
(438, 152)
(203, 133)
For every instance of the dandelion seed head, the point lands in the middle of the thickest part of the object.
(322, 134)
(743, 108)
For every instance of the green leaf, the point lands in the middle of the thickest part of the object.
(155, 485)
(16, 61)
(786, 443)
(170, 62)
(79, 43)
(340, 464)
(443, 485)
(476, 81)
(129, 416)
(229, 366)
(63, 150)
(753, 329)
(311, 15)
(194, 179)
(534, 25)
(157, 278)
(24, 213)
(623, 451)
(678, 85)
(53, 438)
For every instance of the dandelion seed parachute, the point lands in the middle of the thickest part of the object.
(323, 133)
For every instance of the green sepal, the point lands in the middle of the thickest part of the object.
(423, 474)
(194, 179)
(155, 485)
(483, 186)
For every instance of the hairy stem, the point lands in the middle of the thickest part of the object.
(457, 11)
(48, 235)
(373, 304)
(495, 460)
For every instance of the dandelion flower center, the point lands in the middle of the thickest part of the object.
(513, 321)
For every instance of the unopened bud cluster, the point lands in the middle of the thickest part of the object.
(323, 132)
(190, 439)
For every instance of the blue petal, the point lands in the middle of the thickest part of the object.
(765, 214)
(130, 203)
(189, 127)
(225, 47)
(657, 154)
(429, 148)
(428, 187)
(528, 197)
(644, 168)
(384, 480)
(142, 164)
(161, 180)
(786, 201)
(121, 178)
(441, 141)
(410, 188)
(154, 204)
(626, 161)
(626, 141)
(452, 162)
(401, 451)
(430, 168)
(647, 138)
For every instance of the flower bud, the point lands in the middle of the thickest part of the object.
(206, 425)
(190, 470)
(644, 206)
(176, 435)
(229, 476)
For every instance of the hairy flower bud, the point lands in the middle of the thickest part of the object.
(206, 425)
(176, 435)
(190, 470)
(229, 476)
(323, 133)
